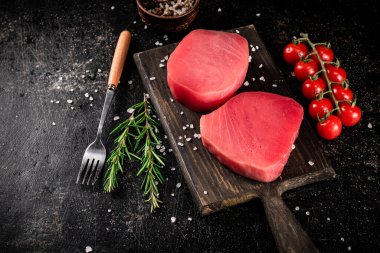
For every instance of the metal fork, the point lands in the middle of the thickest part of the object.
(95, 155)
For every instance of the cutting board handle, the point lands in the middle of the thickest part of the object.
(287, 232)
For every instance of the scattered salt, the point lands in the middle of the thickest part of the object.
(258, 14)
(297, 208)
(328, 218)
(191, 126)
(180, 144)
(260, 66)
(152, 78)
(112, 7)
(87, 71)
(369, 125)
(130, 110)
(178, 185)
(71, 89)
(166, 57)
(342, 239)
(170, 150)
(90, 98)
(188, 139)
(257, 47)
(205, 192)
(311, 163)
(237, 31)
(57, 102)
(195, 148)
(292, 73)
(130, 82)
(219, 9)
(307, 213)
(180, 137)
(91, 105)
(189, 219)
(251, 45)
(349, 248)
(88, 249)
(96, 90)
(172, 194)
(145, 27)
(134, 22)
(274, 85)
(246, 83)
(249, 58)
(253, 79)
(116, 118)
(83, 76)
(293, 146)
(109, 210)
(51, 101)
(161, 65)
(99, 70)
(60, 78)
(171, 100)
(184, 128)
(181, 113)
(53, 123)
(72, 107)
(172, 169)
(163, 60)
(69, 101)
(262, 78)
(173, 219)
(86, 95)
(253, 49)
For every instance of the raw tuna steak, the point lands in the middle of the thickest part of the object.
(253, 133)
(207, 68)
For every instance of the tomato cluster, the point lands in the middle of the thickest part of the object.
(325, 84)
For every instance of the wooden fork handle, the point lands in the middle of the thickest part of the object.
(119, 59)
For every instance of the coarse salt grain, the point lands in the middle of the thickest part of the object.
(349, 248)
(88, 249)
(188, 139)
(369, 125)
(112, 7)
(60, 78)
(152, 78)
(116, 118)
(180, 137)
(253, 79)
(311, 163)
(342, 239)
(161, 65)
(109, 210)
(51, 101)
(134, 22)
(292, 73)
(257, 47)
(191, 126)
(293, 146)
(145, 27)
(130, 82)
(181, 113)
(173, 219)
(262, 78)
(166, 57)
(184, 128)
(178, 185)
(253, 49)
(71, 89)
(96, 90)
(83, 76)
(172, 169)
(91, 105)
(237, 31)
(328, 218)
(172, 194)
(249, 58)
(297, 208)
(86, 95)
(130, 110)
(260, 66)
(195, 148)
(258, 14)
(69, 101)
(205, 192)
(180, 144)
(246, 83)
(274, 85)
(57, 102)
(307, 213)
(53, 123)
(189, 219)
(90, 98)
(219, 9)
(72, 107)
(170, 150)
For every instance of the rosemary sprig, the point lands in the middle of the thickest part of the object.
(138, 139)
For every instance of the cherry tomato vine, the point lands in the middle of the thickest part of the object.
(325, 83)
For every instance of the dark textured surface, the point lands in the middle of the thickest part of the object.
(47, 46)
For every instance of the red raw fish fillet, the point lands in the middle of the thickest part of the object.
(253, 133)
(207, 68)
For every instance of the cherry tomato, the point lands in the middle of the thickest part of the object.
(341, 93)
(330, 128)
(325, 53)
(320, 108)
(293, 51)
(304, 69)
(335, 74)
(312, 87)
(350, 115)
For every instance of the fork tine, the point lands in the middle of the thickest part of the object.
(87, 171)
(92, 172)
(82, 167)
(100, 167)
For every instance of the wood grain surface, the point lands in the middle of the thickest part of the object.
(212, 185)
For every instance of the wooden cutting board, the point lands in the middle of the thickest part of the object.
(213, 186)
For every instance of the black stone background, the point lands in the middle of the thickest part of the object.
(46, 47)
